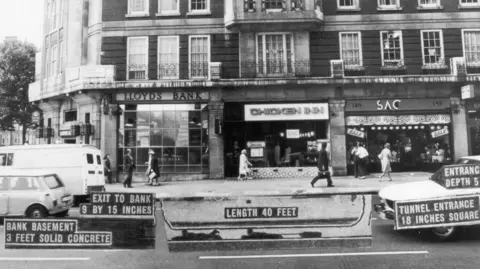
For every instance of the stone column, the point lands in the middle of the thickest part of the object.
(216, 143)
(108, 133)
(337, 137)
(459, 128)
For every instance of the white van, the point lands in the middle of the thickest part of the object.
(79, 166)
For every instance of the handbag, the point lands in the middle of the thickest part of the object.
(152, 175)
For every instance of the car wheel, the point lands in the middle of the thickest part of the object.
(37, 212)
(443, 233)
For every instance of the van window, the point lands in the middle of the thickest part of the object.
(99, 159)
(23, 183)
(3, 184)
(53, 182)
(6, 159)
(89, 158)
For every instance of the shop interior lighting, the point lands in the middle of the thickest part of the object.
(373, 128)
(422, 127)
(391, 127)
(432, 127)
(384, 127)
(438, 127)
(362, 129)
(416, 127)
(403, 127)
(398, 128)
(409, 127)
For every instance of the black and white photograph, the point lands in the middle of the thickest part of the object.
(234, 134)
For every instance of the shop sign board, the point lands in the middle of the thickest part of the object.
(458, 176)
(36, 117)
(354, 132)
(286, 112)
(293, 133)
(437, 212)
(468, 91)
(65, 132)
(397, 104)
(119, 205)
(152, 96)
(440, 132)
(260, 212)
(256, 144)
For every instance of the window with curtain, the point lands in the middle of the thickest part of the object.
(351, 49)
(168, 6)
(432, 43)
(469, 2)
(168, 58)
(345, 4)
(274, 54)
(392, 50)
(199, 56)
(471, 41)
(199, 5)
(388, 3)
(137, 58)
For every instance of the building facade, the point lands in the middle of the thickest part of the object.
(199, 80)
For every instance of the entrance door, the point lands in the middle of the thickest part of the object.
(3, 196)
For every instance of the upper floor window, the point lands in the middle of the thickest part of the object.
(137, 57)
(388, 4)
(199, 6)
(53, 55)
(199, 56)
(469, 3)
(429, 3)
(347, 4)
(273, 5)
(168, 7)
(392, 48)
(275, 54)
(52, 15)
(351, 49)
(168, 57)
(138, 7)
(471, 47)
(432, 48)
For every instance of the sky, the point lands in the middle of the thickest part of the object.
(22, 18)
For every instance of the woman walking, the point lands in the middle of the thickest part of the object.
(385, 156)
(243, 165)
(153, 173)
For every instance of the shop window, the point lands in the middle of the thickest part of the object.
(392, 49)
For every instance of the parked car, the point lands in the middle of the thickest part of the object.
(33, 194)
(429, 196)
(79, 166)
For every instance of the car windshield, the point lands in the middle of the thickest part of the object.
(53, 182)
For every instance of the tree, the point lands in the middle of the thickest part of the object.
(17, 71)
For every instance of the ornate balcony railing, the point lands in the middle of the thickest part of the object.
(137, 72)
(253, 69)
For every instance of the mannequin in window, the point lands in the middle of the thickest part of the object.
(277, 154)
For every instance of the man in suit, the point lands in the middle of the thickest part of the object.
(128, 165)
(323, 167)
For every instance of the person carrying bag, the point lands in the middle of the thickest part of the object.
(153, 171)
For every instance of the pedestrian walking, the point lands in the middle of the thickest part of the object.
(128, 166)
(354, 157)
(323, 165)
(107, 170)
(153, 171)
(385, 156)
(362, 159)
(243, 169)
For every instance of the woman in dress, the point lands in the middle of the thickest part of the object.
(385, 157)
(243, 165)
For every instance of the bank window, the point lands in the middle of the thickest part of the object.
(351, 48)
(392, 48)
(137, 58)
(168, 7)
(199, 56)
(199, 6)
(429, 3)
(347, 4)
(388, 4)
(432, 48)
(138, 7)
(275, 54)
(168, 57)
(469, 3)
(471, 47)
(70, 116)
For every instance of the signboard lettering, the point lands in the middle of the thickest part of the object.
(440, 132)
(51, 232)
(281, 112)
(119, 204)
(462, 176)
(260, 212)
(293, 133)
(161, 96)
(66, 132)
(256, 144)
(437, 212)
(468, 91)
(357, 133)
(388, 105)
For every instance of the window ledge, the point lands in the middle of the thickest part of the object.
(429, 7)
(170, 14)
(473, 65)
(199, 13)
(389, 8)
(354, 68)
(469, 6)
(397, 67)
(140, 15)
(435, 66)
(344, 9)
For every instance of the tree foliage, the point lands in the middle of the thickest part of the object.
(17, 71)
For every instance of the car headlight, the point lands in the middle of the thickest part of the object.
(66, 199)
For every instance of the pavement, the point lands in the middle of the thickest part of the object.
(279, 186)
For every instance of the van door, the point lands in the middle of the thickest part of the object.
(95, 181)
(4, 199)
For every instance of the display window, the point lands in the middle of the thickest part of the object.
(178, 134)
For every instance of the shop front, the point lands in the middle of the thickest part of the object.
(473, 126)
(419, 131)
(281, 139)
(174, 124)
